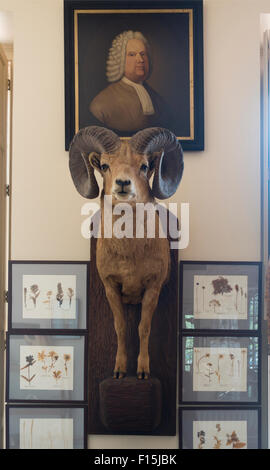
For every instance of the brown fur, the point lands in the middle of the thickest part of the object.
(133, 270)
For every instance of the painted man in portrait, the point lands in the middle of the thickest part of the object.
(129, 103)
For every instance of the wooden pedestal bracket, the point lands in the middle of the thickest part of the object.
(129, 405)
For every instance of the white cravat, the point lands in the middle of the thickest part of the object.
(143, 95)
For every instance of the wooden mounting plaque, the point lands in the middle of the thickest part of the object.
(162, 348)
(130, 405)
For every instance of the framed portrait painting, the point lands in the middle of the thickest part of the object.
(129, 66)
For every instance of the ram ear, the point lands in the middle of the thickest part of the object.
(170, 166)
(153, 161)
(94, 159)
(92, 139)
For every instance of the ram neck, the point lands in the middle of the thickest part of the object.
(127, 228)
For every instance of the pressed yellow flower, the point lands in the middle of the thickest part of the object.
(51, 354)
(41, 356)
(57, 374)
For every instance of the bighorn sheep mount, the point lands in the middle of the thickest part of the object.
(133, 270)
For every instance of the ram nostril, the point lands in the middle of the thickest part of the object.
(123, 182)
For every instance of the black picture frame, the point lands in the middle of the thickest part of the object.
(250, 418)
(42, 311)
(90, 27)
(235, 306)
(20, 389)
(78, 413)
(218, 368)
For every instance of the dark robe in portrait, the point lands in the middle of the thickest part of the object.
(118, 107)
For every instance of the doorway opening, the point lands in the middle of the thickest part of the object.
(6, 85)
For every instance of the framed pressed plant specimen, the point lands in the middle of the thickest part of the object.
(219, 428)
(48, 295)
(46, 427)
(220, 369)
(220, 295)
(46, 367)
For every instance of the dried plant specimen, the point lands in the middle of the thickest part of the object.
(209, 371)
(221, 286)
(54, 357)
(49, 296)
(203, 289)
(50, 367)
(25, 296)
(236, 299)
(46, 433)
(197, 295)
(217, 445)
(238, 367)
(220, 435)
(70, 293)
(220, 369)
(220, 297)
(220, 356)
(233, 440)
(30, 362)
(201, 436)
(198, 360)
(57, 375)
(34, 293)
(67, 359)
(232, 358)
(42, 357)
(60, 294)
(214, 304)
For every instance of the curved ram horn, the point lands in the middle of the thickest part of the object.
(87, 140)
(168, 174)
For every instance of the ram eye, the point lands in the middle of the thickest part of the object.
(144, 167)
(104, 167)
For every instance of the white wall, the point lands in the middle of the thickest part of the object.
(222, 184)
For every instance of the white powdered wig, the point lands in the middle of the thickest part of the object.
(117, 54)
